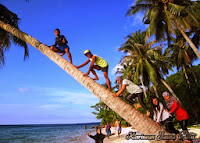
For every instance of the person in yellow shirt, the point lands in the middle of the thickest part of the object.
(97, 63)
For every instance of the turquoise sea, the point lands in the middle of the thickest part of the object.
(54, 133)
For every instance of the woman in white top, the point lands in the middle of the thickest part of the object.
(161, 116)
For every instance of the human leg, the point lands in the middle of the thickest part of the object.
(130, 97)
(183, 125)
(107, 80)
(118, 130)
(169, 125)
(141, 101)
(94, 73)
(108, 133)
(68, 54)
(55, 49)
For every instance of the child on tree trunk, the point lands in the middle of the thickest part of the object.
(97, 63)
(62, 45)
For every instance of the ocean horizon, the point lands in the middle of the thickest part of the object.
(46, 133)
(50, 124)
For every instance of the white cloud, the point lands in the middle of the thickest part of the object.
(115, 69)
(116, 48)
(53, 107)
(134, 21)
(64, 96)
(137, 19)
(73, 98)
(23, 90)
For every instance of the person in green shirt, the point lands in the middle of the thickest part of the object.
(97, 63)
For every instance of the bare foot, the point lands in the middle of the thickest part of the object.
(95, 78)
(148, 114)
(138, 106)
(62, 54)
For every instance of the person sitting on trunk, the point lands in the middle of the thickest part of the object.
(133, 90)
(62, 45)
(97, 63)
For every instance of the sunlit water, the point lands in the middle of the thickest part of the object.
(65, 133)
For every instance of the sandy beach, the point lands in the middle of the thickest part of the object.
(125, 131)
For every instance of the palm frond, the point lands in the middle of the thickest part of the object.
(138, 8)
(175, 9)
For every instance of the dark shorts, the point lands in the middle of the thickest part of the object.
(103, 69)
(62, 48)
(109, 132)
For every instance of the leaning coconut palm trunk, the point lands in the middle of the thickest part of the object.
(155, 90)
(145, 93)
(186, 76)
(187, 58)
(194, 48)
(140, 121)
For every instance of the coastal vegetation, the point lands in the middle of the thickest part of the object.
(170, 42)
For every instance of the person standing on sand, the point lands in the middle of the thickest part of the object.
(99, 137)
(108, 131)
(101, 64)
(133, 89)
(62, 45)
(118, 127)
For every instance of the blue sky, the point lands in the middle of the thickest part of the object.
(37, 91)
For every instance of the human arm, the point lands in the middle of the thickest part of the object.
(91, 65)
(120, 91)
(64, 40)
(82, 65)
(93, 137)
(105, 128)
(174, 107)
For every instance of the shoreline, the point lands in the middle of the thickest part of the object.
(125, 131)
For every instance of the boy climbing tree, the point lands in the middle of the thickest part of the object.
(97, 63)
(62, 45)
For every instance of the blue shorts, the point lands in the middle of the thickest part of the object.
(108, 132)
(62, 48)
(119, 129)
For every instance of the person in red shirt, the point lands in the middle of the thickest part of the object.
(181, 115)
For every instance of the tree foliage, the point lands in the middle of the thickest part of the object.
(189, 96)
(6, 38)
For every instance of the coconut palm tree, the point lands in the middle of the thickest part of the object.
(164, 16)
(136, 58)
(146, 61)
(5, 37)
(140, 121)
(182, 55)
